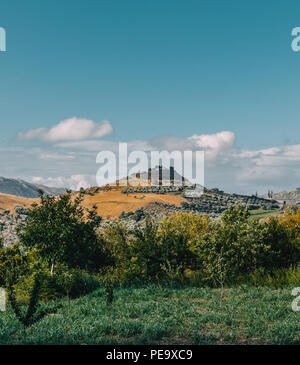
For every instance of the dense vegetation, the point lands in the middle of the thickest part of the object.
(192, 248)
(63, 253)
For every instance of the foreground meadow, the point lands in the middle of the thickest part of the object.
(165, 315)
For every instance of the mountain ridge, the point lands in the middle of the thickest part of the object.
(291, 196)
(24, 189)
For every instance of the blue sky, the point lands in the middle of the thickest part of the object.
(153, 69)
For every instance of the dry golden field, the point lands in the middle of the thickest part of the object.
(110, 203)
(7, 202)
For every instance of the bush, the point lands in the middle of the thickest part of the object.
(182, 248)
(13, 263)
(70, 283)
(219, 252)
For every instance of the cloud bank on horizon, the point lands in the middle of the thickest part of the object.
(66, 157)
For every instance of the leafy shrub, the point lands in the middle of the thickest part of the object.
(219, 252)
(125, 214)
(34, 312)
(13, 263)
(138, 214)
(179, 235)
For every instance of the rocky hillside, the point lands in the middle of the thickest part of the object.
(133, 206)
(291, 197)
(212, 202)
(9, 222)
(24, 189)
(130, 204)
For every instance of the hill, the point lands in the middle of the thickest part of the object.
(133, 204)
(25, 189)
(111, 201)
(290, 197)
(9, 202)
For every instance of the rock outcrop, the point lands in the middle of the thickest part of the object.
(290, 197)
(9, 223)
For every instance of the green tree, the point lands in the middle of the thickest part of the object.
(217, 269)
(179, 235)
(63, 233)
(147, 250)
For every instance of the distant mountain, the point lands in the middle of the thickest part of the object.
(25, 189)
(289, 196)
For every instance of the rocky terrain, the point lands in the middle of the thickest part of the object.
(212, 202)
(9, 222)
(154, 189)
(25, 189)
(290, 197)
(215, 202)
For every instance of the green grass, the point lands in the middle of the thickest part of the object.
(164, 315)
(263, 213)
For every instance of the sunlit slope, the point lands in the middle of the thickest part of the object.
(110, 203)
(8, 202)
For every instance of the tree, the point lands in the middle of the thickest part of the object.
(147, 250)
(217, 269)
(283, 235)
(179, 235)
(63, 233)
(235, 246)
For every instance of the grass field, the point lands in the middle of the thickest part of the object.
(159, 315)
(260, 213)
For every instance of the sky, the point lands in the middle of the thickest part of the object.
(81, 76)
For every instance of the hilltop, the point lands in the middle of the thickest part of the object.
(156, 176)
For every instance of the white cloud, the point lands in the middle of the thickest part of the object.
(74, 182)
(72, 129)
(273, 166)
(217, 141)
(71, 160)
